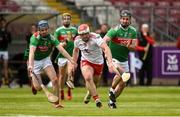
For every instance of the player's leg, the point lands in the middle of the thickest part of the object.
(35, 86)
(70, 77)
(96, 81)
(118, 83)
(88, 71)
(61, 80)
(62, 62)
(88, 95)
(114, 84)
(36, 81)
(49, 70)
(98, 69)
(70, 80)
(119, 88)
(112, 97)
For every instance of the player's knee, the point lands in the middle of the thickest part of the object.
(88, 79)
(55, 81)
(122, 84)
(37, 87)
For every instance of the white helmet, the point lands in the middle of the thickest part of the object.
(83, 29)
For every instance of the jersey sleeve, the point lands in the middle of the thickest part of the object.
(134, 34)
(111, 33)
(33, 41)
(54, 41)
(76, 34)
(99, 40)
(76, 43)
(56, 35)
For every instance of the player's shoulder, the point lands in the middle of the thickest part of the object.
(73, 28)
(133, 28)
(36, 35)
(115, 27)
(59, 28)
(77, 38)
(94, 35)
(52, 37)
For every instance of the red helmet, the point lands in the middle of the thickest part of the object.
(83, 28)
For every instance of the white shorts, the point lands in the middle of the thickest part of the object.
(124, 65)
(39, 65)
(4, 55)
(62, 62)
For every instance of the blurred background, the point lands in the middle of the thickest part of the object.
(162, 16)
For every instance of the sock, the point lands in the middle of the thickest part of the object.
(111, 102)
(95, 97)
(62, 94)
(69, 91)
(62, 91)
(112, 90)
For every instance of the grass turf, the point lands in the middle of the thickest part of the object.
(134, 101)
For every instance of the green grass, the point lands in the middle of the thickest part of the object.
(134, 101)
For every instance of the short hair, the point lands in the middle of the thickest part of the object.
(66, 14)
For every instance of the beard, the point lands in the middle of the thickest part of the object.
(45, 36)
(67, 25)
(85, 39)
(124, 26)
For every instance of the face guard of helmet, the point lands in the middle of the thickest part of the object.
(125, 18)
(66, 18)
(83, 31)
(43, 27)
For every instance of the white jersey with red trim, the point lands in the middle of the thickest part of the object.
(90, 50)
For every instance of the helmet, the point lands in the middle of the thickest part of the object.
(43, 24)
(125, 13)
(83, 28)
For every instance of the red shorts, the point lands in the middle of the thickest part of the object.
(97, 67)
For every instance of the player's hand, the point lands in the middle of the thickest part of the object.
(74, 65)
(30, 69)
(128, 44)
(132, 44)
(125, 43)
(113, 69)
(64, 43)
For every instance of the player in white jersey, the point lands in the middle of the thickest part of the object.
(91, 45)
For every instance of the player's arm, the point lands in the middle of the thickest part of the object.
(65, 53)
(32, 49)
(76, 50)
(107, 52)
(110, 35)
(106, 38)
(108, 56)
(131, 45)
(75, 54)
(60, 38)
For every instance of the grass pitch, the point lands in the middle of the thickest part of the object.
(134, 101)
